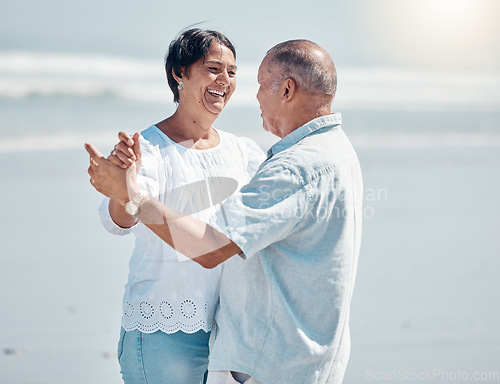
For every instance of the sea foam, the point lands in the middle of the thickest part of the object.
(105, 142)
(27, 74)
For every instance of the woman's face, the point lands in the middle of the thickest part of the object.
(210, 82)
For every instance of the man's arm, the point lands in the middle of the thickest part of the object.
(191, 237)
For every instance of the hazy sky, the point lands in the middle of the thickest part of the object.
(456, 34)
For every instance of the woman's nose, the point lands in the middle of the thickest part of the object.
(223, 78)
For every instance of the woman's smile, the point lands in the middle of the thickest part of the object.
(214, 77)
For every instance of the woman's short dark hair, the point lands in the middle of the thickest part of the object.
(189, 47)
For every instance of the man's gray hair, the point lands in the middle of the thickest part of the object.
(296, 61)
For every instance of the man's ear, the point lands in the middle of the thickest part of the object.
(288, 89)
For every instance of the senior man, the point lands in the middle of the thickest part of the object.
(296, 228)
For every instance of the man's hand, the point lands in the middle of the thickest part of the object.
(111, 180)
(127, 151)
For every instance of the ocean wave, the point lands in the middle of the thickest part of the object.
(28, 74)
(105, 142)
(427, 140)
(386, 88)
(49, 143)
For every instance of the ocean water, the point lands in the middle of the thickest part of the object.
(426, 297)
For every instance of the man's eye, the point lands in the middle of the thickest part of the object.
(232, 73)
(213, 68)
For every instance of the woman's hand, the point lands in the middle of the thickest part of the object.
(112, 181)
(127, 151)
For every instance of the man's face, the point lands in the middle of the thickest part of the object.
(268, 99)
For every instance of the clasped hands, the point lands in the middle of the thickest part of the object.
(116, 175)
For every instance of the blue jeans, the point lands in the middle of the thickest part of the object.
(154, 358)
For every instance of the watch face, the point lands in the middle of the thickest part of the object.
(132, 208)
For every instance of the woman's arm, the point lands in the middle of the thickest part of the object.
(124, 155)
(119, 216)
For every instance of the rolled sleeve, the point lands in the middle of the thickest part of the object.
(147, 180)
(108, 223)
(264, 211)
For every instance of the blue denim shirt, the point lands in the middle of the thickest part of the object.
(284, 305)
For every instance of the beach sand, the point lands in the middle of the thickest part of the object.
(425, 299)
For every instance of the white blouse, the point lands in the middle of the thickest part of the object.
(165, 290)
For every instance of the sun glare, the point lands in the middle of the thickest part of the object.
(451, 10)
(437, 32)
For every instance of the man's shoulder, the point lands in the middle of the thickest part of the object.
(318, 154)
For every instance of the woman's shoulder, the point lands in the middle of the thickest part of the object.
(244, 143)
(153, 137)
(151, 134)
(252, 155)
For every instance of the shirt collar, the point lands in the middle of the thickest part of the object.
(328, 121)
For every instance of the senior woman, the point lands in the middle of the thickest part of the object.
(169, 301)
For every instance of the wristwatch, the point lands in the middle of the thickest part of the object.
(132, 206)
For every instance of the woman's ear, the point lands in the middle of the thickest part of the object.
(182, 71)
(178, 78)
